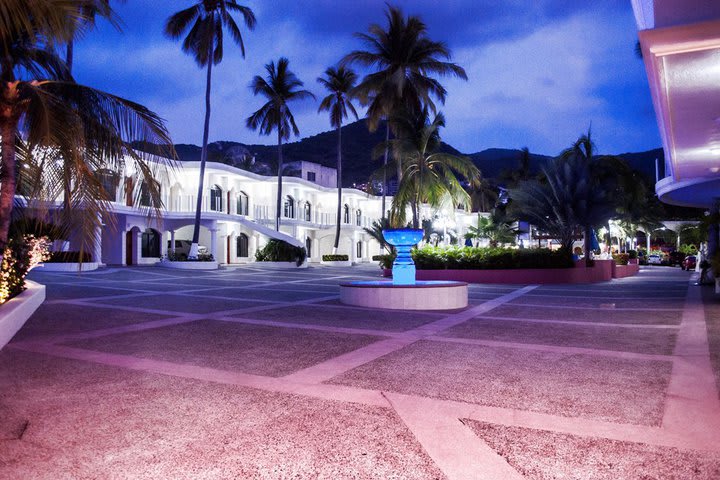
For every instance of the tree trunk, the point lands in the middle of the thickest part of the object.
(385, 161)
(339, 188)
(8, 130)
(588, 246)
(203, 160)
(280, 172)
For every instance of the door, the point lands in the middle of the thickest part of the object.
(129, 248)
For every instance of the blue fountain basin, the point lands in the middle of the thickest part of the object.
(403, 236)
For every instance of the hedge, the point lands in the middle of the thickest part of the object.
(488, 258)
(69, 257)
(280, 251)
(335, 258)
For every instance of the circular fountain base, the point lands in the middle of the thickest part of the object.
(428, 295)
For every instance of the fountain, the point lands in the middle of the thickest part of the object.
(404, 292)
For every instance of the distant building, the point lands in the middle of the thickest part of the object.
(316, 173)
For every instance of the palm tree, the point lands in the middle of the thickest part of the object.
(495, 229)
(376, 231)
(204, 23)
(279, 88)
(339, 82)
(483, 194)
(49, 123)
(88, 12)
(405, 61)
(429, 175)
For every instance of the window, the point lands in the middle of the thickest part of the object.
(307, 212)
(242, 246)
(289, 209)
(109, 181)
(359, 250)
(311, 176)
(216, 199)
(150, 244)
(358, 217)
(243, 203)
(145, 194)
(308, 246)
(346, 214)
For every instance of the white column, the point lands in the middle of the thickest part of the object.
(647, 237)
(97, 253)
(138, 247)
(213, 243)
(172, 241)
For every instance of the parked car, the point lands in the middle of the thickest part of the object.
(654, 260)
(676, 258)
(689, 263)
(182, 248)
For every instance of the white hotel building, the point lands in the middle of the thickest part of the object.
(238, 216)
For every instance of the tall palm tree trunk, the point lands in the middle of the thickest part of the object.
(385, 161)
(588, 246)
(69, 51)
(339, 189)
(203, 158)
(280, 172)
(8, 131)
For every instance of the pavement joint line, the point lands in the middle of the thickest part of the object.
(692, 402)
(127, 308)
(384, 310)
(307, 326)
(455, 449)
(333, 367)
(617, 298)
(619, 309)
(650, 326)
(104, 297)
(540, 347)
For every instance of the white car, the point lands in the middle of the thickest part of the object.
(654, 260)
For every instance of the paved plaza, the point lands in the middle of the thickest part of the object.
(250, 373)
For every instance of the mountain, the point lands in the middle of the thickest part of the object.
(358, 164)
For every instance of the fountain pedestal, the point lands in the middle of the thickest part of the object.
(404, 292)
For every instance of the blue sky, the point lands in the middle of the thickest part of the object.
(540, 71)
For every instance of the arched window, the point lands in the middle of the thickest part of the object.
(346, 214)
(150, 243)
(359, 249)
(216, 199)
(307, 212)
(289, 210)
(145, 195)
(243, 203)
(242, 246)
(109, 181)
(358, 217)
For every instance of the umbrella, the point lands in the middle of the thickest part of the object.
(594, 245)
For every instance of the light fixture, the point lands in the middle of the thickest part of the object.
(715, 169)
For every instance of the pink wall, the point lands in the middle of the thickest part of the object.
(604, 270)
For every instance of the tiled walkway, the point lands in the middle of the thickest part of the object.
(243, 373)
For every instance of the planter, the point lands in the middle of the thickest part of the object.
(189, 265)
(279, 265)
(403, 239)
(717, 285)
(623, 271)
(15, 312)
(69, 267)
(337, 263)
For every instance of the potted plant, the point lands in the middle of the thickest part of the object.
(715, 264)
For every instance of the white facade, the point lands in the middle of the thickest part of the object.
(238, 217)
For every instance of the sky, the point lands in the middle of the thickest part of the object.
(541, 72)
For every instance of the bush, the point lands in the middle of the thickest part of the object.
(385, 261)
(21, 255)
(181, 257)
(621, 258)
(69, 257)
(632, 254)
(335, 258)
(488, 258)
(280, 251)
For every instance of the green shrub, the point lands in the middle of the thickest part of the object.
(335, 258)
(488, 258)
(621, 258)
(21, 255)
(181, 257)
(69, 257)
(280, 251)
(385, 261)
(632, 254)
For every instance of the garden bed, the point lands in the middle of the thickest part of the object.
(336, 263)
(279, 265)
(601, 272)
(189, 265)
(15, 312)
(69, 266)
